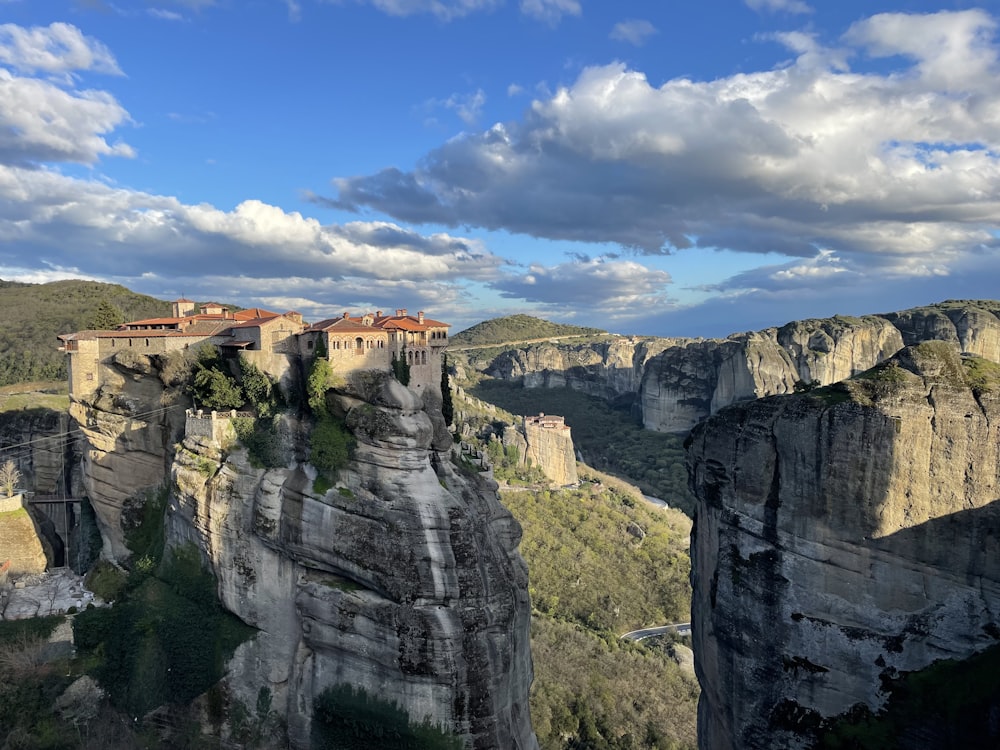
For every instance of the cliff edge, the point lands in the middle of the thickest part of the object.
(844, 537)
(402, 580)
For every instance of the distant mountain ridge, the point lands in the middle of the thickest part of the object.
(676, 383)
(34, 314)
(513, 328)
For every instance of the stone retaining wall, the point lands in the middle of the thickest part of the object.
(14, 502)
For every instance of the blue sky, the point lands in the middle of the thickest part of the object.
(668, 168)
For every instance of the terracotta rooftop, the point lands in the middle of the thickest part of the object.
(255, 313)
(385, 322)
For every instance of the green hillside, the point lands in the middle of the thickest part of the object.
(34, 314)
(516, 328)
(602, 562)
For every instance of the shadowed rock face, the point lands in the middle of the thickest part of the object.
(404, 581)
(842, 537)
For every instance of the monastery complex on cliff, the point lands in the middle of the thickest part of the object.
(272, 341)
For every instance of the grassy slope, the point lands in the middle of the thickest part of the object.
(34, 314)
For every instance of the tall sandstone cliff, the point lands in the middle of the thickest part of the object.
(404, 580)
(677, 383)
(843, 537)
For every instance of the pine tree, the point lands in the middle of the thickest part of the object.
(447, 407)
(107, 317)
(400, 367)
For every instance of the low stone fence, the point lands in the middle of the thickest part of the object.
(13, 502)
(215, 425)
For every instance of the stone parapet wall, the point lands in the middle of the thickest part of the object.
(214, 425)
(13, 502)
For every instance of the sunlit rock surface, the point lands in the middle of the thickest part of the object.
(404, 580)
(677, 383)
(129, 429)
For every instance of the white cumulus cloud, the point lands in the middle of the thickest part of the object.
(893, 168)
(42, 122)
(57, 48)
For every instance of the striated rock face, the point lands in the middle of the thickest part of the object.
(35, 440)
(842, 537)
(129, 431)
(684, 385)
(606, 369)
(404, 580)
(677, 383)
(545, 442)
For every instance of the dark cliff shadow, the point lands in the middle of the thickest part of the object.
(951, 703)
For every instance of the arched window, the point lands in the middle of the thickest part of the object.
(409, 357)
(359, 345)
(423, 358)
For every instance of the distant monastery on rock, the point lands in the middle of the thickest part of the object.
(272, 341)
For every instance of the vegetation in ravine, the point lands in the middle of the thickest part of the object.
(602, 562)
(598, 693)
(602, 557)
(350, 718)
(34, 314)
(164, 642)
(609, 439)
(167, 638)
(516, 328)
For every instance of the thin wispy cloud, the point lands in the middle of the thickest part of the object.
(550, 11)
(164, 15)
(774, 6)
(636, 31)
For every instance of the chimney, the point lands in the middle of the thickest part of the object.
(420, 316)
(346, 315)
(378, 313)
(403, 312)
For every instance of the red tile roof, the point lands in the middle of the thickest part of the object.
(254, 313)
(386, 322)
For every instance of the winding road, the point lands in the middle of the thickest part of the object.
(678, 628)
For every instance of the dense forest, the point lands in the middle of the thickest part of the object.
(34, 314)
